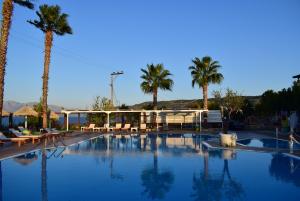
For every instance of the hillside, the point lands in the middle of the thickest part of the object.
(12, 106)
(183, 104)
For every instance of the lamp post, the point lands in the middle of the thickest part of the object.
(113, 76)
(298, 79)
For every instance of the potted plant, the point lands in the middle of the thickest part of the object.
(227, 139)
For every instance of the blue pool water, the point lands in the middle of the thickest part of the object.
(164, 168)
(269, 143)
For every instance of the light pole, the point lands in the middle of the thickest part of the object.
(113, 76)
(298, 79)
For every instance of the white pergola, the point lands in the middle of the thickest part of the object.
(69, 112)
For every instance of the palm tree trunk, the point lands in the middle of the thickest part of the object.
(154, 107)
(48, 46)
(205, 91)
(7, 11)
(155, 99)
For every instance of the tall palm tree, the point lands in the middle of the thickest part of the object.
(156, 182)
(205, 71)
(156, 77)
(7, 12)
(50, 21)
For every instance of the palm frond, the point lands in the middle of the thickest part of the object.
(51, 19)
(25, 3)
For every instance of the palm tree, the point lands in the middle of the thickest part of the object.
(7, 12)
(204, 72)
(156, 182)
(156, 77)
(50, 21)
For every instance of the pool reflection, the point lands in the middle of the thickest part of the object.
(285, 169)
(217, 178)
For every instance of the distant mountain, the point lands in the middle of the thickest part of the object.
(12, 106)
(183, 104)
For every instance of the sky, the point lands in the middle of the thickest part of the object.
(257, 42)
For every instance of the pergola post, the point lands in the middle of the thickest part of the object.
(200, 119)
(156, 120)
(67, 122)
(26, 121)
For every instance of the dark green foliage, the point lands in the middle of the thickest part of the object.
(124, 107)
(272, 102)
(205, 71)
(51, 19)
(156, 77)
(100, 104)
(25, 3)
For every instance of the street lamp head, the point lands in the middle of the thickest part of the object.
(117, 73)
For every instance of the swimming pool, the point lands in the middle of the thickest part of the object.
(268, 143)
(154, 168)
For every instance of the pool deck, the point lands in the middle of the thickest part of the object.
(11, 149)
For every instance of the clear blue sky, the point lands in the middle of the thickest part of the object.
(256, 41)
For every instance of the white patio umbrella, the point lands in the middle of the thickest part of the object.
(5, 114)
(26, 111)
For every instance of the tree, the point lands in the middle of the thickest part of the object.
(204, 72)
(7, 12)
(100, 104)
(50, 21)
(156, 77)
(233, 102)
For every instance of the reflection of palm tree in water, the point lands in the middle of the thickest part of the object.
(44, 176)
(233, 189)
(156, 183)
(212, 187)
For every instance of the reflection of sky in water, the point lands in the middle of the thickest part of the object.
(268, 143)
(133, 169)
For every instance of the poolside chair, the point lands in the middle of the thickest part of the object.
(126, 127)
(143, 127)
(19, 134)
(20, 141)
(88, 128)
(52, 133)
(118, 127)
(104, 128)
(21, 128)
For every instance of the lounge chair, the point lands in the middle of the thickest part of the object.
(126, 127)
(89, 128)
(21, 128)
(104, 128)
(118, 127)
(33, 138)
(51, 133)
(143, 127)
(3, 138)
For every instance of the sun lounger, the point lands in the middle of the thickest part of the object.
(52, 133)
(3, 138)
(143, 127)
(126, 127)
(89, 128)
(104, 128)
(118, 127)
(33, 138)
